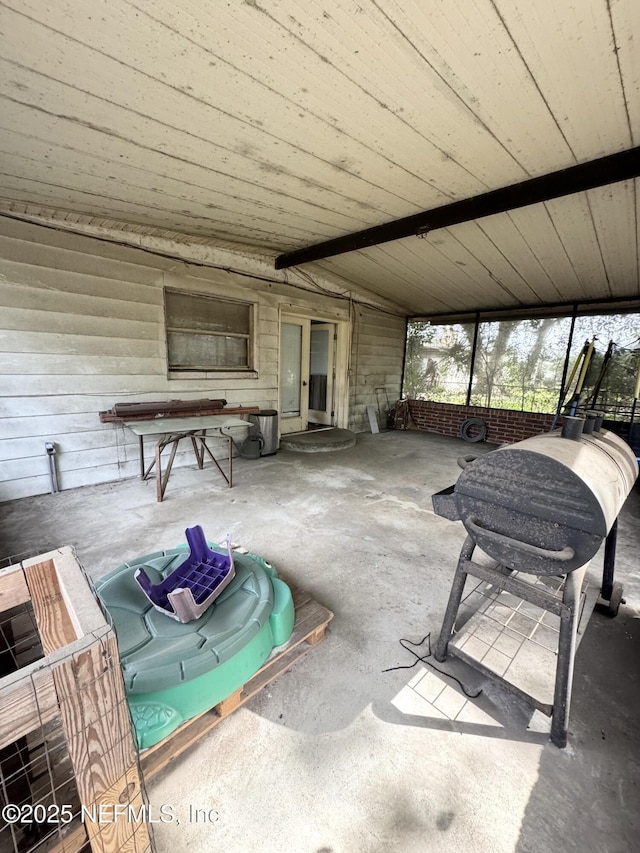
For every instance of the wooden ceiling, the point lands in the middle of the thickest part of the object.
(279, 124)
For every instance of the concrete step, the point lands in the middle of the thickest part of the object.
(318, 440)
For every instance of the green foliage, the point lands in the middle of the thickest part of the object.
(417, 376)
(518, 364)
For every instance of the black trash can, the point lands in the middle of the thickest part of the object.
(267, 425)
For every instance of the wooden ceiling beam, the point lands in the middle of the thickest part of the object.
(586, 176)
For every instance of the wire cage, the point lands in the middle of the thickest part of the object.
(69, 772)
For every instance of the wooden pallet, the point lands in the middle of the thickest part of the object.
(310, 627)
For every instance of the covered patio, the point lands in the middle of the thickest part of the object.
(337, 754)
(252, 202)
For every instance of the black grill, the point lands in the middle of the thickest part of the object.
(541, 506)
(545, 504)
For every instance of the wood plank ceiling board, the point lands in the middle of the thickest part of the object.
(637, 241)
(188, 111)
(386, 276)
(435, 281)
(200, 215)
(94, 141)
(625, 21)
(119, 188)
(465, 249)
(513, 268)
(398, 95)
(275, 126)
(165, 51)
(468, 244)
(91, 148)
(428, 271)
(125, 179)
(521, 263)
(582, 37)
(537, 228)
(471, 53)
(314, 71)
(574, 223)
(613, 212)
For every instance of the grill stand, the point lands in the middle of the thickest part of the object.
(569, 609)
(611, 592)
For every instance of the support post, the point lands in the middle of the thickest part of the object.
(473, 358)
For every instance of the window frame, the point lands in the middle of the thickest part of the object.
(211, 371)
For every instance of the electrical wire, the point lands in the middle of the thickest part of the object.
(423, 659)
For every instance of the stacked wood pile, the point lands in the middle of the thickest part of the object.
(163, 408)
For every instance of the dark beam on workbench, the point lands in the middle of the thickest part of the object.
(586, 176)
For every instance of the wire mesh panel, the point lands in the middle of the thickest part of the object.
(69, 773)
(512, 637)
(41, 808)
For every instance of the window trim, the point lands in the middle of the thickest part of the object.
(211, 371)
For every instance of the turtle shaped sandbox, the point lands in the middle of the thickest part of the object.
(174, 671)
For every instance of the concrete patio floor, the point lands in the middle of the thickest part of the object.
(337, 756)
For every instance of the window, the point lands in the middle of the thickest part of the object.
(205, 333)
(521, 364)
(437, 362)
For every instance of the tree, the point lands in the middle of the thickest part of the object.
(418, 375)
(518, 363)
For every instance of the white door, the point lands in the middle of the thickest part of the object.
(322, 373)
(294, 374)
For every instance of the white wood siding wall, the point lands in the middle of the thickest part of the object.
(377, 356)
(81, 328)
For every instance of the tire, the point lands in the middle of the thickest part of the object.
(473, 429)
(615, 601)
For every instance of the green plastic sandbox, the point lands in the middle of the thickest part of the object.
(174, 671)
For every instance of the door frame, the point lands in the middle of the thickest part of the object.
(300, 422)
(342, 349)
(326, 416)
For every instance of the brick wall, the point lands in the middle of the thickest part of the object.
(503, 425)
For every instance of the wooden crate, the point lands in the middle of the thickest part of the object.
(310, 628)
(63, 705)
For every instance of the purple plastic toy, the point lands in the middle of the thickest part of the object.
(190, 589)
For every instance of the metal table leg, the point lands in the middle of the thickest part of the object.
(199, 443)
(161, 481)
(205, 449)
